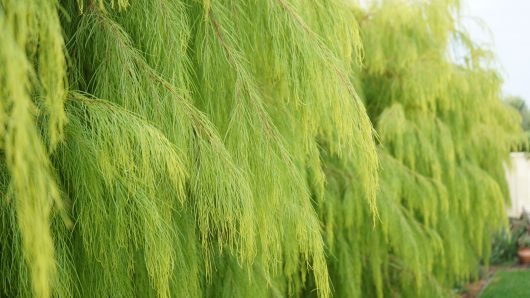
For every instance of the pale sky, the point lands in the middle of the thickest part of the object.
(508, 35)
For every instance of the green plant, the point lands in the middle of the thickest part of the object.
(504, 248)
(524, 241)
(519, 104)
(505, 242)
(442, 188)
(226, 149)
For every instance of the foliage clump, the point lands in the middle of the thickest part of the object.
(226, 148)
(444, 135)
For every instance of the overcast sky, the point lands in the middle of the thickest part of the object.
(509, 36)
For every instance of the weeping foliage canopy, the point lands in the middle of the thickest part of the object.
(245, 149)
(444, 136)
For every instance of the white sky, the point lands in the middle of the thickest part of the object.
(508, 35)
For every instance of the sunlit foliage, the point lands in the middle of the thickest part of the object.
(245, 149)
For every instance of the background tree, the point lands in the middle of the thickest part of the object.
(444, 135)
(520, 105)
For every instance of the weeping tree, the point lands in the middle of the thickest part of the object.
(166, 154)
(521, 107)
(443, 137)
(226, 148)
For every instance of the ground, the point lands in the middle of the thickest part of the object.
(508, 284)
(509, 280)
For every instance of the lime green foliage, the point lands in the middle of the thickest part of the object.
(223, 148)
(519, 104)
(444, 135)
(510, 284)
(32, 74)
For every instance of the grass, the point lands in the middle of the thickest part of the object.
(508, 284)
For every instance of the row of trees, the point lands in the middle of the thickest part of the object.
(245, 148)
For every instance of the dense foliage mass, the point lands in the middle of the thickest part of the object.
(520, 106)
(226, 148)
